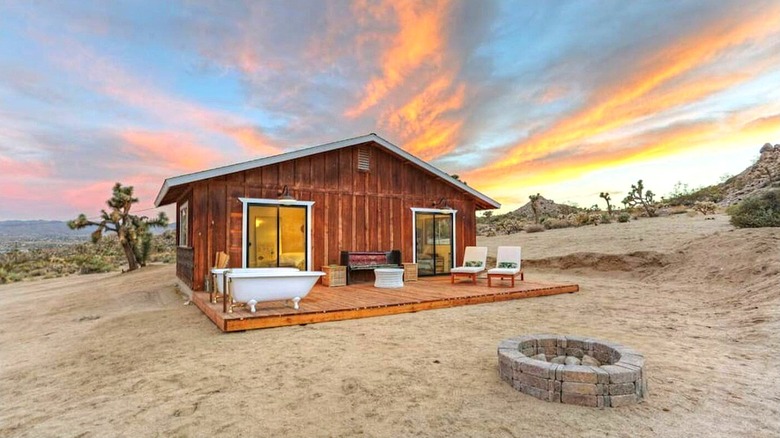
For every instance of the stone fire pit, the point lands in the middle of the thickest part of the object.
(573, 369)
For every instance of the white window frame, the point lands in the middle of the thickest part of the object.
(245, 211)
(452, 212)
(184, 231)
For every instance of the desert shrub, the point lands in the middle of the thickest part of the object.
(624, 217)
(554, 224)
(757, 211)
(534, 228)
(677, 210)
(92, 264)
(705, 207)
(510, 226)
(682, 195)
(581, 218)
(594, 218)
(606, 218)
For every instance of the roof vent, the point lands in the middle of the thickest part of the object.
(364, 160)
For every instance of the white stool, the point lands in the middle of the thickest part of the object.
(389, 278)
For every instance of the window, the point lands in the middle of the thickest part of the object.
(184, 213)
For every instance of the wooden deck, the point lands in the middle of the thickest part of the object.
(363, 300)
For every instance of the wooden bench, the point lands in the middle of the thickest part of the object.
(369, 260)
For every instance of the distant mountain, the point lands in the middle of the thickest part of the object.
(763, 175)
(547, 207)
(49, 230)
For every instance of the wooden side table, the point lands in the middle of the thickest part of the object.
(334, 276)
(410, 271)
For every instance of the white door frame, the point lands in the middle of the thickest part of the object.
(451, 212)
(277, 202)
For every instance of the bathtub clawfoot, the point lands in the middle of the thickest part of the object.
(295, 301)
(251, 304)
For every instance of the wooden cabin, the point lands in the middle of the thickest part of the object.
(303, 208)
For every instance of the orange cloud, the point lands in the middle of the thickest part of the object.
(423, 123)
(419, 42)
(662, 82)
(168, 149)
(251, 138)
(764, 126)
(608, 154)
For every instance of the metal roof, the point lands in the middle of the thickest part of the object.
(181, 180)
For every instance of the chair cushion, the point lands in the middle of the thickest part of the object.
(503, 271)
(466, 270)
(507, 265)
(473, 264)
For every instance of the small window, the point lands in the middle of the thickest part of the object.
(184, 213)
(364, 160)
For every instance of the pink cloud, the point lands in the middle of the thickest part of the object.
(171, 150)
(112, 80)
(24, 169)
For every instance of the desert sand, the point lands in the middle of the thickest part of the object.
(121, 355)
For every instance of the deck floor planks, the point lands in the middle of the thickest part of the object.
(364, 300)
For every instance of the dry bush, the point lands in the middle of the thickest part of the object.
(534, 228)
(705, 207)
(757, 211)
(555, 224)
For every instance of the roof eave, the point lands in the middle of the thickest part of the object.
(240, 167)
(160, 196)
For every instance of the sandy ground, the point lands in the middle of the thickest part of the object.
(119, 355)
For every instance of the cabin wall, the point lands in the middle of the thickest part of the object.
(185, 261)
(353, 210)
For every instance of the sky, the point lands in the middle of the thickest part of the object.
(563, 98)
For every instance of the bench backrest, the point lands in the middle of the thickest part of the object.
(370, 258)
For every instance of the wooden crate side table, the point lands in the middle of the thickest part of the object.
(334, 276)
(410, 271)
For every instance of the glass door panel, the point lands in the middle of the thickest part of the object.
(434, 243)
(425, 247)
(292, 237)
(443, 242)
(276, 236)
(263, 226)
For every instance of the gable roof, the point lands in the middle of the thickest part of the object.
(181, 180)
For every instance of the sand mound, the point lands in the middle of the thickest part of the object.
(734, 257)
(635, 261)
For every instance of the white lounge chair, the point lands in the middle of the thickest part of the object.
(474, 260)
(508, 265)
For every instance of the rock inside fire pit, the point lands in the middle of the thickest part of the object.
(573, 369)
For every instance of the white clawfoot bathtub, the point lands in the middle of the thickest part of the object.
(255, 285)
(219, 275)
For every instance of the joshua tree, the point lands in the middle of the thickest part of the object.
(607, 198)
(132, 231)
(638, 196)
(535, 206)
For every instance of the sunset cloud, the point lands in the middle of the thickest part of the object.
(419, 41)
(514, 97)
(668, 78)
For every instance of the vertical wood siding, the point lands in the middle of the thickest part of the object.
(353, 210)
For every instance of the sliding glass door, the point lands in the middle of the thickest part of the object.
(434, 242)
(276, 236)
